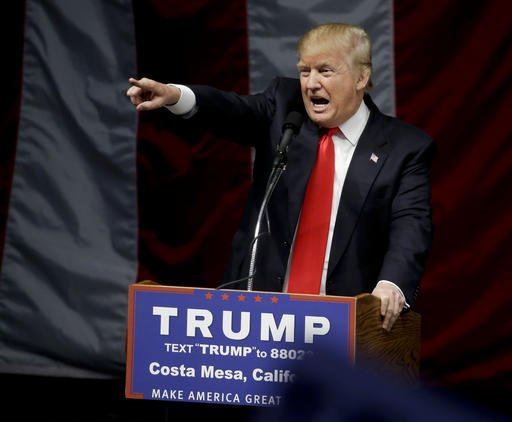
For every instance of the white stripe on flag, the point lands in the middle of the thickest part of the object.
(275, 27)
(71, 237)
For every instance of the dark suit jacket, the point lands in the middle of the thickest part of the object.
(383, 228)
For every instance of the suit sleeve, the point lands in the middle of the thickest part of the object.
(230, 114)
(411, 227)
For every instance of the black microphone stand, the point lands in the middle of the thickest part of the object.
(278, 167)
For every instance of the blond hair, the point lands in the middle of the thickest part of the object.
(351, 40)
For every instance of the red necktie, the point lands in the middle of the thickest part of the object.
(311, 238)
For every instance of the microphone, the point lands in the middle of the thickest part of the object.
(291, 127)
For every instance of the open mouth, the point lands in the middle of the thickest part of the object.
(319, 103)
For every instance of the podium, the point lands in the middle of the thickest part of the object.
(396, 353)
(242, 348)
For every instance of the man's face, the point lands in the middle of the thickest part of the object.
(331, 91)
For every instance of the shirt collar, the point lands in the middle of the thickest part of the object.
(353, 127)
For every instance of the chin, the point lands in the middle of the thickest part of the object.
(318, 119)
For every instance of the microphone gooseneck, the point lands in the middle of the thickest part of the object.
(291, 127)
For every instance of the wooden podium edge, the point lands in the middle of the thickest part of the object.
(393, 354)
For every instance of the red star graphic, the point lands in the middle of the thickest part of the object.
(208, 295)
(258, 298)
(274, 299)
(241, 298)
(225, 296)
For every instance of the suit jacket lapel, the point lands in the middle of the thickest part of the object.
(301, 158)
(367, 161)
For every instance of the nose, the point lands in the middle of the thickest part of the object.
(313, 80)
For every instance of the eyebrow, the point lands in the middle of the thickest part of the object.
(322, 65)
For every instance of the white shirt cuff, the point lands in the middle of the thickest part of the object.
(406, 305)
(186, 102)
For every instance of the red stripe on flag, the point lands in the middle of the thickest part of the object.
(454, 82)
(192, 186)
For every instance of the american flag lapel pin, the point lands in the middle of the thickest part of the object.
(374, 158)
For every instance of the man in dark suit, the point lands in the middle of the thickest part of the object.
(380, 229)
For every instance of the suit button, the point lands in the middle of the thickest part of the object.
(279, 279)
(286, 244)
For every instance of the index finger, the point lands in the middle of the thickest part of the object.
(134, 81)
(144, 83)
(384, 304)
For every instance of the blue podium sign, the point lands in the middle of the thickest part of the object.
(229, 346)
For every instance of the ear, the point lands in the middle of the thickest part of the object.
(363, 78)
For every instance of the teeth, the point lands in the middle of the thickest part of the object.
(319, 107)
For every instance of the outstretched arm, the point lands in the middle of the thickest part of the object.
(147, 94)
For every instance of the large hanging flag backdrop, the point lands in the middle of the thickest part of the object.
(95, 197)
